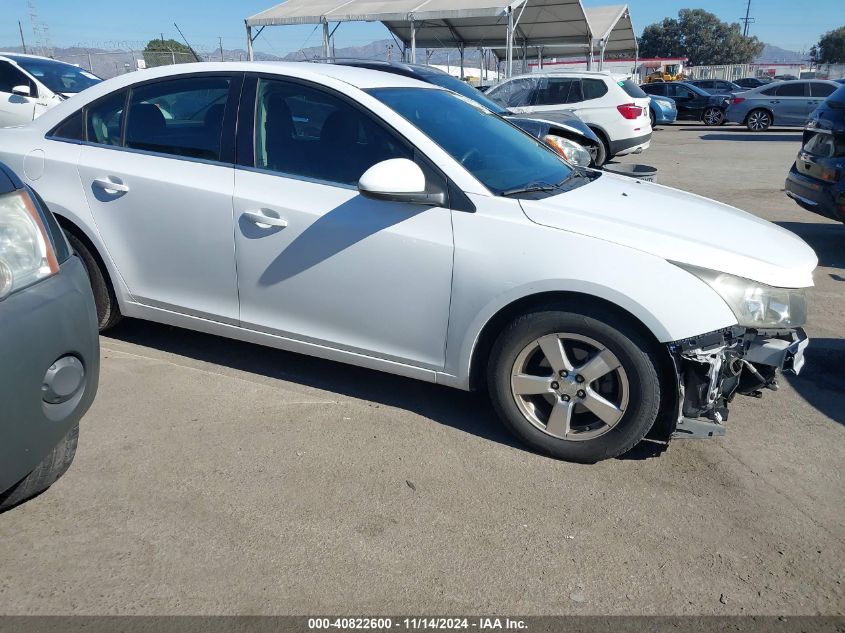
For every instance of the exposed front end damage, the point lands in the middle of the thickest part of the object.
(714, 367)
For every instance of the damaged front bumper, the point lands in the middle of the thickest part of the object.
(713, 368)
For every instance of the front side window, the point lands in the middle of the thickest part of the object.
(499, 155)
(793, 89)
(301, 131)
(677, 91)
(11, 77)
(658, 89)
(513, 94)
(182, 117)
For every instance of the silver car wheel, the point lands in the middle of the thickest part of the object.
(713, 116)
(570, 386)
(758, 121)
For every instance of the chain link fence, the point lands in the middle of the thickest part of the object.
(118, 62)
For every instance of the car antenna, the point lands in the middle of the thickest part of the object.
(190, 48)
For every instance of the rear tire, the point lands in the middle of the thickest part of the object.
(108, 312)
(45, 474)
(758, 120)
(653, 118)
(554, 410)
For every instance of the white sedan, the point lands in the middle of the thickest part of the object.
(372, 219)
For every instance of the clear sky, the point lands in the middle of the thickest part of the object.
(791, 24)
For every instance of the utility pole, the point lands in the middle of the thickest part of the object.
(747, 20)
(23, 44)
(220, 39)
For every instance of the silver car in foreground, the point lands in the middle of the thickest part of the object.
(374, 219)
(786, 103)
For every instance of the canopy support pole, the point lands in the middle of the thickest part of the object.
(250, 55)
(327, 47)
(509, 46)
(413, 42)
(601, 54)
(462, 61)
(540, 58)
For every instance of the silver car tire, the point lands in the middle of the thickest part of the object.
(758, 120)
(581, 387)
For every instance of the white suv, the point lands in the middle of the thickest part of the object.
(615, 108)
(31, 85)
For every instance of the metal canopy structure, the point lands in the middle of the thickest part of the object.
(552, 25)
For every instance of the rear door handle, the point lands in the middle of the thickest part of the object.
(109, 186)
(264, 221)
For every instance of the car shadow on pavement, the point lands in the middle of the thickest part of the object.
(822, 381)
(782, 138)
(467, 412)
(826, 238)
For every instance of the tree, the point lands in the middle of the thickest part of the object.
(831, 47)
(161, 52)
(701, 37)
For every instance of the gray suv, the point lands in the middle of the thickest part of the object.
(50, 363)
(780, 103)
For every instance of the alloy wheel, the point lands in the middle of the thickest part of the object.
(713, 116)
(570, 386)
(758, 121)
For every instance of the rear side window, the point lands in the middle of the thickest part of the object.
(105, 119)
(183, 117)
(793, 89)
(631, 89)
(593, 88)
(558, 90)
(72, 128)
(769, 92)
(822, 90)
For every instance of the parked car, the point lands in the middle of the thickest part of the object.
(840, 81)
(817, 178)
(716, 86)
(564, 131)
(787, 103)
(377, 220)
(31, 85)
(616, 110)
(48, 335)
(747, 83)
(693, 103)
(662, 111)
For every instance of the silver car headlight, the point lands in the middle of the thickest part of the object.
(756, 305)
(570, 150)
(26, 252)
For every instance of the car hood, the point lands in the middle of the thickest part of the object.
(562, 119)
(679, 227)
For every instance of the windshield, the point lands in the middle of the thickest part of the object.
(498, 154)
(58, 76)
(463, 88)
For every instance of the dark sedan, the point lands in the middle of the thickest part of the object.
(549, 127)
(693, 103)
(817, 178)
(50, 364)
(716, 86)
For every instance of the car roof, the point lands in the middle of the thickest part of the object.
(603, 74)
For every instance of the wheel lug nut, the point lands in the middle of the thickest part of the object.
(579, 378)
(563, 373)
(581, 394)
(555, 385)
(565, 398)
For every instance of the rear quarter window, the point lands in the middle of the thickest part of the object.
(593, 88)
(631, 89)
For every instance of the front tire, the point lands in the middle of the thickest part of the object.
(108, 312)
(713, 116)
(45, 474)
(758, 121)
(579, 387)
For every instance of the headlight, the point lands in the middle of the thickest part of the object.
(756, 305)
(26, 252)
(570, 150)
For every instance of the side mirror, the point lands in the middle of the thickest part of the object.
(21, 91)
(398, 180)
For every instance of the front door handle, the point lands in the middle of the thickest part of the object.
(264, 221)
(109, 186)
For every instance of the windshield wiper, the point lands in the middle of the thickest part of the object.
(538, 185)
